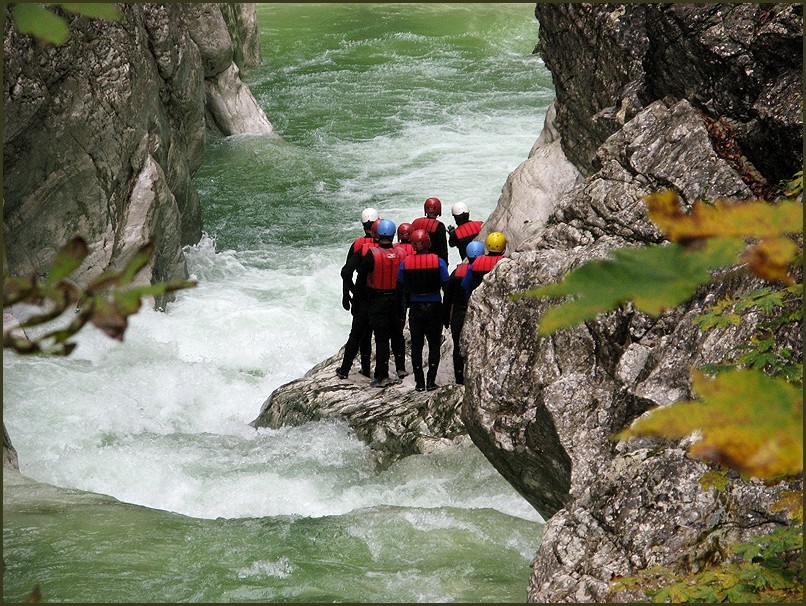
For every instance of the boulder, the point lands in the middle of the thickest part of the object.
(395, 421)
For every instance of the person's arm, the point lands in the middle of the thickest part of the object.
(467, 282)
(452, 239)
(364, 269)
(440, 243)
(347, 285)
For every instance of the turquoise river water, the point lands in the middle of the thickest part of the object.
(142, 480)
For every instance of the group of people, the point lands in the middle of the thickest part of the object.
(410, 277)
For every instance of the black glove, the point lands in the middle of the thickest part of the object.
(451, 228)
(346, 300)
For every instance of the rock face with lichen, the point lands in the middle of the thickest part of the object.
(102, 135)
(702, 99)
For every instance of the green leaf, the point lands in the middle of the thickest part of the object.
(749, 422)
(128, 302)
(655, 278)
(38, 21)
(68, 259)
(100, 10)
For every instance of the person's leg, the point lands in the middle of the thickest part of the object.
(399, 344)
(365, 347)
(359, 332)
(434, 336)
(381, 326)
(417, 330)
(457, 321)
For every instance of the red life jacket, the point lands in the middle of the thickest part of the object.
(429, 225)
(407, 247)
(367, 246)
(485, 263)
(386, 263)
(421, 273)
(482, 266)
(461, 270)
(471, 229)
(359, 242)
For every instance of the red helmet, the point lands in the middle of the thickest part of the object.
(404, 232)
(420, 240)
(374, 229)
(433, 206)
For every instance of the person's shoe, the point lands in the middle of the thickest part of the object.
(419, 387)
(366, 373)
(385, 382)
(341, 374)
(402, 373)
(431, 386)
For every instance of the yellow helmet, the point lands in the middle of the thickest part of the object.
(496, 242)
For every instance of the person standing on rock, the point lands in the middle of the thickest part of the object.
(403, 241)
(454, 307)
(496, 244)
(465, 231)
(378, 275)
(422, 277)
(433, 227)
(360, 337)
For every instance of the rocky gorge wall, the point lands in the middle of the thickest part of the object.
(703, 99)
(102, 135)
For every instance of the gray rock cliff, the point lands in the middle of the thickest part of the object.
(649, 97)
(102, 135)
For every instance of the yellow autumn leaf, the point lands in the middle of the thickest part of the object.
(747, 421)
(770, 259)
(725, 218)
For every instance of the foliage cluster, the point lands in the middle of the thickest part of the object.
(749, 415)
(768, 569)
(39, 21)
(104, 302)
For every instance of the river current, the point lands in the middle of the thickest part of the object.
(148, 483)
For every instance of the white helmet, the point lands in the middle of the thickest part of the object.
(459, 208)
(368, 215)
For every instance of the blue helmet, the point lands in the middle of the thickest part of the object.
(386, 229)
(474, 249)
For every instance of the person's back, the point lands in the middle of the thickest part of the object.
(465, 231)
(422, 277)
(454, 307)
(435, 229)
(495, 244)
(378, 271)
(354, 300)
